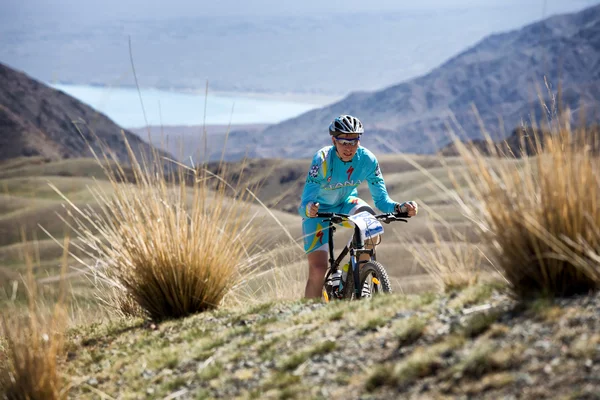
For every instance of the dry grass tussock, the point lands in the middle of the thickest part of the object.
(541, 215)
(536, 214)
(30, 344)
(163, 244)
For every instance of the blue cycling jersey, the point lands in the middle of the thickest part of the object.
(331, 181)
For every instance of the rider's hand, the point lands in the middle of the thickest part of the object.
(410, 207)
(312, 209)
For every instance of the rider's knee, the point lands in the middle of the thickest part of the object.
(319, 268)
(317, 261)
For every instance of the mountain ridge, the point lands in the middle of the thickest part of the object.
(500, 75)
(36, 120)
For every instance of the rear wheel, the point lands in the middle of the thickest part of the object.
(373, 281)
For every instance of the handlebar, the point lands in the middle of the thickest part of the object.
(337, 218)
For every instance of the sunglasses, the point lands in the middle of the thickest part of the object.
(347, 142)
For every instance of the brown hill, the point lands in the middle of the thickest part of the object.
(20, 137)
(279, 182)
(36, 120)
(522, 141)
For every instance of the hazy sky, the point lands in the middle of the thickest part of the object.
(85, 41)
(94, 11)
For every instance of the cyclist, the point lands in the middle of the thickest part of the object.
(331, 186)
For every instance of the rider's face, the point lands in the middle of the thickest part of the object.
(346, 145)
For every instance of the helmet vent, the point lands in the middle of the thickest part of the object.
(346, 124)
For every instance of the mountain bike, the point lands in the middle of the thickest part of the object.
(366, 278)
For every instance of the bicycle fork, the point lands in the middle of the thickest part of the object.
(358, 249)
(355, 273)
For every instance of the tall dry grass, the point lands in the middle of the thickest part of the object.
(283, 278)
(33, 343)
(534, 207)
(163, 244)
(541, 215)
(450, 259)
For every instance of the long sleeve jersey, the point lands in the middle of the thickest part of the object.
(330, 180)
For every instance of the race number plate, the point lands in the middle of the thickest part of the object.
(369, 226)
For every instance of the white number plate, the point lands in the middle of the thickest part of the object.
(369, 226)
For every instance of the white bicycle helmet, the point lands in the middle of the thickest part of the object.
(345, 124)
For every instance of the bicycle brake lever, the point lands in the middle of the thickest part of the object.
(394, 218)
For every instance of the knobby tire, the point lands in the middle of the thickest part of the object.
(369, 269)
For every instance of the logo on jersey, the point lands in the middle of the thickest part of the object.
(340, 185)
(350, 171)
(320, 236)
(378, 171)
(314, 171)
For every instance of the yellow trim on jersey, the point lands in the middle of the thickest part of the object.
(324, 164)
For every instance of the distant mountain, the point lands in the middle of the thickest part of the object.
(502, 76)
(38, 120)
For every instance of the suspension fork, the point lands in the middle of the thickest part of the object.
(330, 235)
(357, 249)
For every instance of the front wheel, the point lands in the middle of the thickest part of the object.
(373, 280)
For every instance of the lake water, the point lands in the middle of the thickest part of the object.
(123, 106)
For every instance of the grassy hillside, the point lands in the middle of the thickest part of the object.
(28, 203)
(212, 322)
(279, 184)
(420, 346)
(27, 200)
